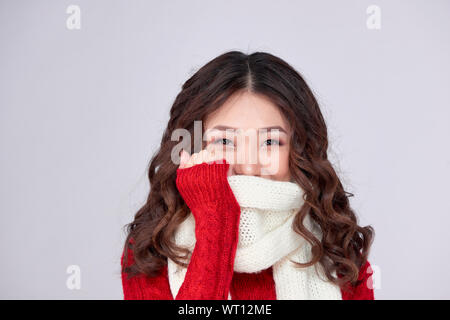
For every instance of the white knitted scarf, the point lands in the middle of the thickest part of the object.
(266, 238)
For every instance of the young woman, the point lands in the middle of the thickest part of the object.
(260, 218)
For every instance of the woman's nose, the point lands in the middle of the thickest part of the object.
(247, 159)
(247, 169)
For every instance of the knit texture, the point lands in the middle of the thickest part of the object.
(210, 275)
(205, 189)
(267, 238)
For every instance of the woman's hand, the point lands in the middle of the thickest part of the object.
(207, 155)
(203, 184)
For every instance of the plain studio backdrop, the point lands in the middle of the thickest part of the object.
(86, 88)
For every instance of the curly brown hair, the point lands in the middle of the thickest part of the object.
(345, 245)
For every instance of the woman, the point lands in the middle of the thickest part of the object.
(265, 219)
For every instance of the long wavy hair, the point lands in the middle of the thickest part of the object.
(345, 245)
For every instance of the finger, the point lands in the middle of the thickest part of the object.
(219, 156)
(184, 158)
(187, 162)
(201, 156)
(209, 154)
(194, 159)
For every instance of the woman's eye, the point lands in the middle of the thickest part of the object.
(272, 141)
(222, 141)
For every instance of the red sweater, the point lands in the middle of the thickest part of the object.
(210, 274)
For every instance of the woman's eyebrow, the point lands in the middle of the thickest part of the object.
(224, 128)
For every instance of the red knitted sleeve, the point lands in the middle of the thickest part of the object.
(206, 191)
(365, 290)
(142, 287)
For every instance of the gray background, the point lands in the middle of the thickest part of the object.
(83, 110)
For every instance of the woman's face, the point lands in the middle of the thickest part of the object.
(236, 129)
